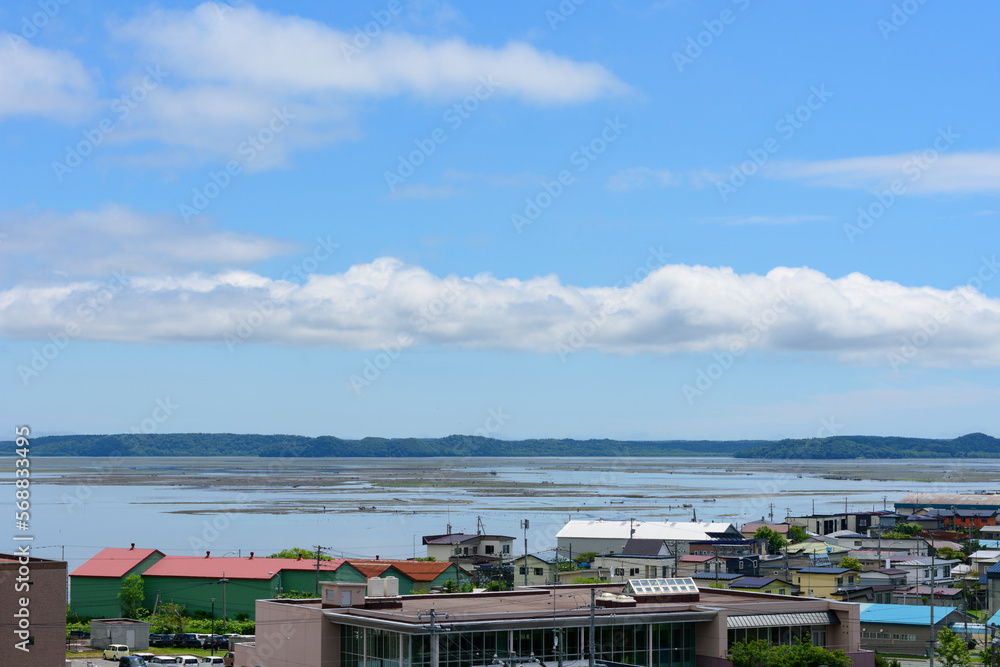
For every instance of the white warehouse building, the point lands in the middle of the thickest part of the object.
(604, 537)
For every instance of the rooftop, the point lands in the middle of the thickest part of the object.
(683, 531)
(823, 570)
(215, 567)
(113, 562)
(461, 538)
(758, 582)
(902, 614)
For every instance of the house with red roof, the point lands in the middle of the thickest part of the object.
(94, 586)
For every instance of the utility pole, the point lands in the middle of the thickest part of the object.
(932, 604)
(435, 653)
(593, 593)
(524, 527)
(770, 515)
(223, 581)
(319, 551)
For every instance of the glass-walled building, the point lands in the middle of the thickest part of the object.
(647, 623)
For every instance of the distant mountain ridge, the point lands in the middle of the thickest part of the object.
(973, 445)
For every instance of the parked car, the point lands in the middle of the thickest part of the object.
(229, 659)
(188, 660)
(160, 641)
(213, 660)
(115, 651)
(144, 655)
(186, 640)
(216, 642)
(131, 661)
(162, 660)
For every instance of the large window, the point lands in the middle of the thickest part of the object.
(780, 636)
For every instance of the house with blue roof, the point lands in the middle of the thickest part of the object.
(903, 629)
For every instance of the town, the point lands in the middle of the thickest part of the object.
(905, 581)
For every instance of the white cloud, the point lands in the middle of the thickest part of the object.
(38, 81)
(638, 178)
(230, 67)
(95, 243)
(675, 309)
(918, 173)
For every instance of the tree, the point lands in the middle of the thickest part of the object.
(851, 563)
(797, 534)
(586, 557)
(948, 553)
(588, 580)
(775, 542)
(131, 596)
(952, 650)
(909, 528)
(987, 654)
(449, 586)
(295, 552)
(760, 653)
(885, 662)
(970, 546)
(429, 559)
(171, 614)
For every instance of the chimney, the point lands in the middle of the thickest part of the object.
(133, 547)
(376, 556)
(251, 555)
(207, 554)
(300, 556)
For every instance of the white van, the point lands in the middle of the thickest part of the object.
(213, 660)
(115, 651)
(188, 660)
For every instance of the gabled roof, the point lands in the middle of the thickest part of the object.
(721, 576)
(417, 570)
(889, 571)
(214, 567)
(113, 562)
(902, 614)
(757, 582)
(461, 538)
(682, 531)
(637, 547)
(939, 591)
(698, 558)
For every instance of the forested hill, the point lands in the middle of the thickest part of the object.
(228, 444)
(972, 446)
(975, 445)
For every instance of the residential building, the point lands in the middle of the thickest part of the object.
(824, 524)
(924, 569)
(460, 547)
(696, 563)
(639, 558)
(95, 585)
(749, 529)
(878, 594)
(414, 576)
(541, 570)
(681, 629)
(874, 559)
(824, 582)
(993, 588)
(903, 629)
(599, 536)
(894, 577)
(42, 583)
(771, 585)
(712, 580)
(819, 554)
(921, 595)
(982, 560)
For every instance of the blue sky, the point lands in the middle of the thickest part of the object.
(635, 219)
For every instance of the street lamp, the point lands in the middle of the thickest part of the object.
(213, 626)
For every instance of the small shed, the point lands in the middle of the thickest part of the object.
(107, 631)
